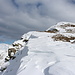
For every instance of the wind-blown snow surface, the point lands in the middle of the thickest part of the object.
(43, 56)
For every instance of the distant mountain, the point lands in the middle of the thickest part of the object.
(4, 46)
(50, 52)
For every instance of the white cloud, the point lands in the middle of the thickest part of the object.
(20, 16)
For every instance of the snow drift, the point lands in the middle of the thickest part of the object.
(39, 53)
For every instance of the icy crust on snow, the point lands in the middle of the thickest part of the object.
(41, 55)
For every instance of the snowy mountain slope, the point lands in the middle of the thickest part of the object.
(3, 52)
(42, 54)
(64, 27)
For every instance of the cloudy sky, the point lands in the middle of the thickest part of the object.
(20, 16)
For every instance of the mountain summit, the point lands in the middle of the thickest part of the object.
(50, 52)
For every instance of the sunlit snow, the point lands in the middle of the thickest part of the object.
(41, 55)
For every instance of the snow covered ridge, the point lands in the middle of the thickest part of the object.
(64, 31)
(11, 51)
(41, 53)
(63, 27)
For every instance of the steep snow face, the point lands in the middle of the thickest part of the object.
(42, 55)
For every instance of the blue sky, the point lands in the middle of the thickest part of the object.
(20, 16)
(7, 41)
